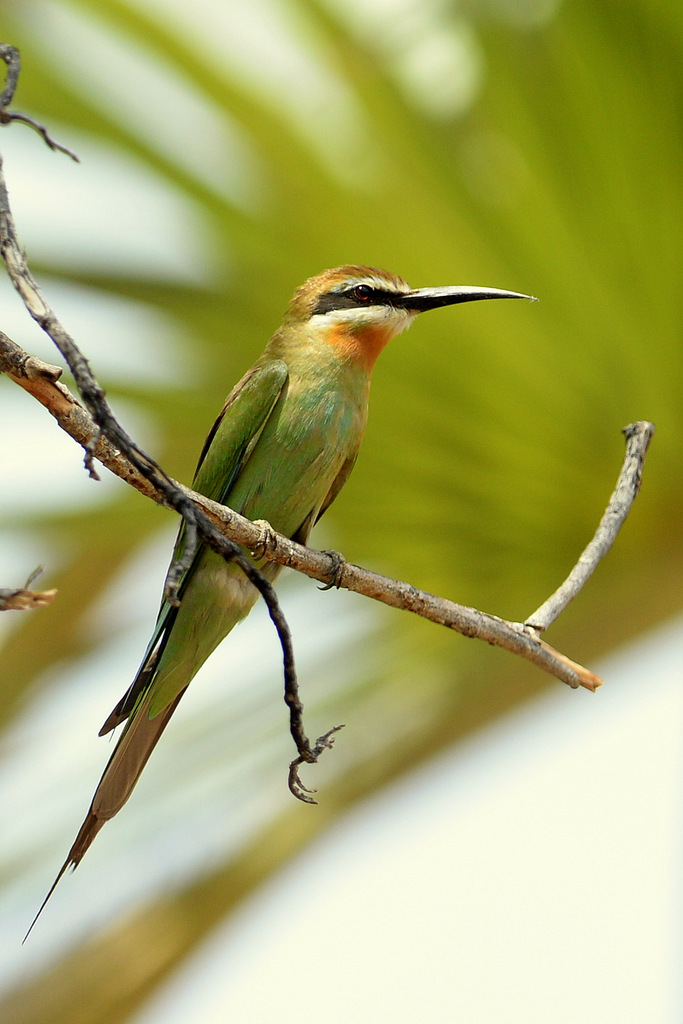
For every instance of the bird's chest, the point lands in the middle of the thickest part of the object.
(314, 430)
(318, 420)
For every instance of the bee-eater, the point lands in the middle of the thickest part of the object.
(281, 450)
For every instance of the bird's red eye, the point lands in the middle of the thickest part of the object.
(362, 292)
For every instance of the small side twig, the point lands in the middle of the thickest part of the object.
(25, 599)
(12, 59)
(638, 437)
(310, 756)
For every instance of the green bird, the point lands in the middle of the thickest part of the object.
(281, 450)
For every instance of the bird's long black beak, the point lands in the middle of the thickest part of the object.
(421, 299)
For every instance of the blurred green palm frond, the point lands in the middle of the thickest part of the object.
(461, 145)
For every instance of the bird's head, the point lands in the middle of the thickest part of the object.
(360, 309)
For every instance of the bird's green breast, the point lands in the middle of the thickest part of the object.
(316, 426)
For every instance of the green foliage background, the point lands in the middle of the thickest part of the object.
(494, 436)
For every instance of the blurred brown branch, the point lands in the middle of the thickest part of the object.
(25, 599)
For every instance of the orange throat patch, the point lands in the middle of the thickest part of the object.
(362, 344)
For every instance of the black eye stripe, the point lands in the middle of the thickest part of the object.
(357, 296)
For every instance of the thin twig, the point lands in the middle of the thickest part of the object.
(57, 147)
(11, 57)
(638, 437)
(296, 786)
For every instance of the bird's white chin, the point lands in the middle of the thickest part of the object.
(391, 318)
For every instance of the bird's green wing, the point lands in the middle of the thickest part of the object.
(301, 535)
(230, 442)
(339, 481)
(233, 436)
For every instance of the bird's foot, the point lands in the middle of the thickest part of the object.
(267, 541)
(336, 570)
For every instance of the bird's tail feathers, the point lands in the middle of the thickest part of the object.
(126, 706)
(89, 829)
(123, 770)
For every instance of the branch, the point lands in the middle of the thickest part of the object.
(104, 440)
(519, 638)
(25, 599)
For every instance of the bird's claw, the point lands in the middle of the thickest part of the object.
(336, 572)
(267, 541)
